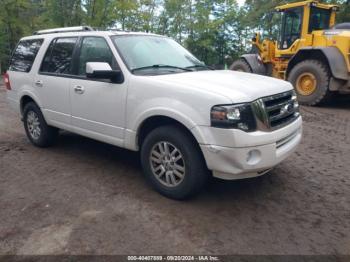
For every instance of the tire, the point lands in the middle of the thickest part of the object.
(32, 117)
(241, 65)
(195, 173)
(321, 75)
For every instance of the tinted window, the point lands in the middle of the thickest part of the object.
(58, 57)
(319, 19)
(46, 61)
(95, 49)
(24, 55)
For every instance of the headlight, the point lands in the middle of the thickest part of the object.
(295, 101)
(233, 116)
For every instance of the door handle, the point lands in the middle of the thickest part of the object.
(39, 83)
(79, 90)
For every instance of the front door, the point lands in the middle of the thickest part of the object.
(98, 106)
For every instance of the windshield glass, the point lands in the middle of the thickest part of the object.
(155, 55)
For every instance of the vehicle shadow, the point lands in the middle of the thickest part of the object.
(123, 163)
(95, 150)
(338, 102)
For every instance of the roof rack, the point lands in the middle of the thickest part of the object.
(64, 30)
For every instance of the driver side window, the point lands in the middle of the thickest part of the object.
(95, 49)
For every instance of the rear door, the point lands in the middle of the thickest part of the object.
(98, 106)
(53, 80)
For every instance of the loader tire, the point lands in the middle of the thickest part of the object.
(241, 65)
(310, 79)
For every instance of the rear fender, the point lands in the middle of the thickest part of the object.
(330, 55)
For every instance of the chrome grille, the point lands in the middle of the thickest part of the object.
(276, 111)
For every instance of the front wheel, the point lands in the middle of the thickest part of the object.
(310, 79)
(172, 162)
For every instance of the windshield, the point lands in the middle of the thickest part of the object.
(155, 55)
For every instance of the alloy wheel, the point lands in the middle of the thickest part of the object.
(167, 163)
(33, 125)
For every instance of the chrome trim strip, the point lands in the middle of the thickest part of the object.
(261, 116)
(262, 112)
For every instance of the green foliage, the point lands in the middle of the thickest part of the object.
(211, 29)
(344, 14)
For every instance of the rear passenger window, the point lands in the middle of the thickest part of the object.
(24, 55)
(95, 49)
(58, 57)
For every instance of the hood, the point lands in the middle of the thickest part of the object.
(239, 87)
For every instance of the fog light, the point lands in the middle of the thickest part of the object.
(253, 157)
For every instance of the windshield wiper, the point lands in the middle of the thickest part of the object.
(160, 66)
(200, 66)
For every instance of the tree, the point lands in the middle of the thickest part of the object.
(14, 17)
(211, 29)
(125, 13)
(99, 13)
(344, 14)
(61, 13)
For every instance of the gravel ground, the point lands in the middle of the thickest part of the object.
(86, 197)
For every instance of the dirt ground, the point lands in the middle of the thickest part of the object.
(86, 197)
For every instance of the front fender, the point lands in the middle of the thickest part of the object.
(174, 109)
(332, 55)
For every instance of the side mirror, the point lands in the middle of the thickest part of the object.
(100, 70)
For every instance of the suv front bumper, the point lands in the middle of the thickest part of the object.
(234, 154)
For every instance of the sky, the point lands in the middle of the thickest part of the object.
(240, 2)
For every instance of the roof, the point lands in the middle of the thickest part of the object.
(303, 3)
(80, 31)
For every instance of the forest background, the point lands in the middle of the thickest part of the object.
(213, 30)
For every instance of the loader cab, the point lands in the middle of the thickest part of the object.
(298, 20)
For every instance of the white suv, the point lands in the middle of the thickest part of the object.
(147, 93)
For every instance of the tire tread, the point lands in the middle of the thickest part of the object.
(324, 72)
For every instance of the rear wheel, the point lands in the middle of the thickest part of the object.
(37, 130)
(172, 162)
(241, 65)
(310, 79)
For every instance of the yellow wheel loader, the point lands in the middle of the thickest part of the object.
(311, 52)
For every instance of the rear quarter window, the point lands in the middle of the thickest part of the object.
(24, 55)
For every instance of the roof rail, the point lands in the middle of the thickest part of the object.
(64, 30)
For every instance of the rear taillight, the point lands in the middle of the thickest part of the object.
(7, 81)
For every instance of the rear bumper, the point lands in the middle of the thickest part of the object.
(254, 159)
